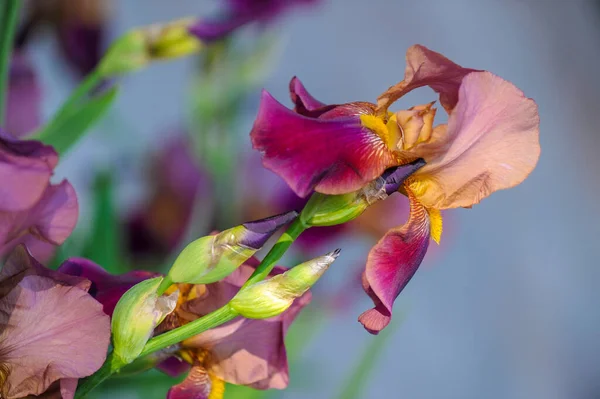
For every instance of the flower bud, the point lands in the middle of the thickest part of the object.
(211, 258)
(136, 315)
(329, 210)
(274, 296)
(137, 48)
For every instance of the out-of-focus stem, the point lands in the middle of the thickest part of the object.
(8, 24)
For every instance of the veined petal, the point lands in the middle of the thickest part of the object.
(493, 144)
(331, 156)
(391, 264)
(302, 99)
(427, 68)
(199, 384)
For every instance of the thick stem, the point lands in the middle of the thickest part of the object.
(282, 245)
(110, 366)
(10, 14)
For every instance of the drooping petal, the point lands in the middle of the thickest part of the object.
(197, 385)
(244, 351)
(50, 221)
(427, 68)
(391, 264)
(23, 112)
(49, 331)
(335, 154)
(493, 144)
(303, 100)
(25, 170)
(106, 288)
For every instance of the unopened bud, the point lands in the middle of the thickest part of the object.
(329, 210)
(136, 315)
(211, 258)
(274, 296)
(139, 47)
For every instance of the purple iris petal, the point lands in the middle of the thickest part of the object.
(81, 45)
(259, 232)
(50, 328)
(23, 114)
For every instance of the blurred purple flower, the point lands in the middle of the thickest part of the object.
(177, 178)
(32, 210)
(51, 329)
(238, 13)
(24, 98)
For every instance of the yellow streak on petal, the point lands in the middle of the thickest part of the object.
(377, 125)
(435, 220)
(217, 390)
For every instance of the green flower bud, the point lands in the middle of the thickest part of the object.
(136, 315)
(274, 296)
(211, 258)
(139, 47)
(329, 210)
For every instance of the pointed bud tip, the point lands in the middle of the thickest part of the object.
(335, 254)
(394, 177)
(259, 231)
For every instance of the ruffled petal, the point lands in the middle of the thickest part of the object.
(197, 385)
(49, 331)
(332, 155)
(492, 144)
(25, 171)
(304, 102)
(427, 68)
(106, 288)
(50, 221)
(391, 264)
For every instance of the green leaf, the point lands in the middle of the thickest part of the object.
(103, 243)
(70, 124)
(359, 377)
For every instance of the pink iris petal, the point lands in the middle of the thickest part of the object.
(68, 386)
(493, 144)
(106, 288)
(50, 221)
(244, 351)
(197, 385)
(427, 68)
(391, 264)
(50, 330)
(303, 100)
(23, 113)
(332, 155)
(25, 171)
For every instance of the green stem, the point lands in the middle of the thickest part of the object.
(110, 366)
(113, 364)
(10, 16)
(211, 320)
(282, 245)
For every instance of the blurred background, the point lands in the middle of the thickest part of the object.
(505, 307)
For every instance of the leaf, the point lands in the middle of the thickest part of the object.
(72, 123)
(103, 243)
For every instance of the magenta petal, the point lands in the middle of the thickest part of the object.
(197, 385)
(391, 264)
(331, 156)
(302, 99)
(25, 171)
(106, 288)
(49, 331)
(173, 366)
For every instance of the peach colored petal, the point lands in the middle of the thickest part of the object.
(427, 68)
(492, 141)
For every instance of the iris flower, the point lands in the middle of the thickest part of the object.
(24, 97)
(242, 351)
(33, 211)
(491, 142)
(52, 332)
(238, 13)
